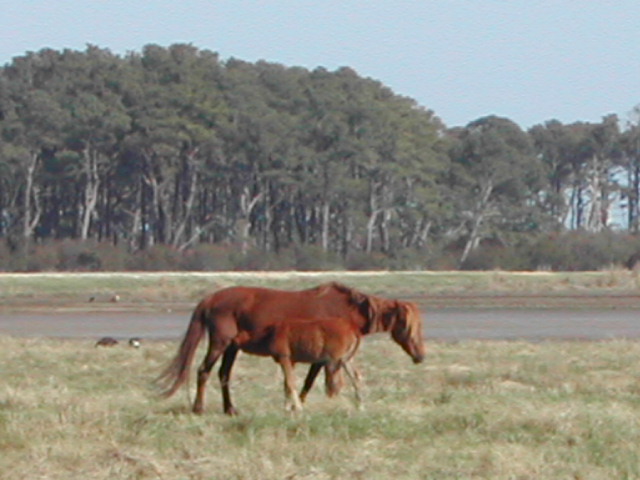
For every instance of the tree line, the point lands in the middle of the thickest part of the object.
(174, 147)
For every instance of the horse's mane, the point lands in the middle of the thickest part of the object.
(374, 308)
(356, 297)
(413, 316)
(370, 306)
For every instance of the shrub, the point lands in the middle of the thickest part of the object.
(156, 258)
(366, 261)
(418, 259)
(10, 260)
(570, 251)
(491, 257)
(112, 257)
(207, 257)
(313, 257)
(577, 251)
(43, 257)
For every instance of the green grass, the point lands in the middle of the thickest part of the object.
(494, 410)
(188, 287)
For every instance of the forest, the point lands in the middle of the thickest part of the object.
(172, 158)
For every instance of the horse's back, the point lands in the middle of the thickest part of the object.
(261, 306)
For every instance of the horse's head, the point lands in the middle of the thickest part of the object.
(404, 321)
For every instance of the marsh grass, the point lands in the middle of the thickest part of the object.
(495, 410)
(162, 287)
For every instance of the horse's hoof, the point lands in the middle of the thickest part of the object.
(232, 412)
(293, 408)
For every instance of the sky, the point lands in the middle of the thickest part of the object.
(528, 60)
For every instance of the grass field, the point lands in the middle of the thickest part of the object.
(136, 289)
(485, 410)
(494, 410)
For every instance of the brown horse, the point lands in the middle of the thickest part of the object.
(229, 314)
(326, 341)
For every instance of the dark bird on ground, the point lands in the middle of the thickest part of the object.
(106, 342)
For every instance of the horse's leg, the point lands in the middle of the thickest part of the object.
(333, 381)
(290, 392)
(224, 374)
(354, 377)
(314, 369)
(214, 351)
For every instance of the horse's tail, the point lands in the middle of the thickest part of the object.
(177, 372)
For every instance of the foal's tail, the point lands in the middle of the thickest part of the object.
(177, 372)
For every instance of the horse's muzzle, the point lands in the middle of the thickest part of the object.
(418, 359)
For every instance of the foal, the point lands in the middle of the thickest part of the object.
(328, 341)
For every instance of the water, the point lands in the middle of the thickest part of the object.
(449, 325)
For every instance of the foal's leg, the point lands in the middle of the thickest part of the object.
(333, 381)
(354, 377)
(292, 399)
(214, 351)
(308, 382)
(224, 374)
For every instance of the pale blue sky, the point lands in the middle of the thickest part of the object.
(528, 60)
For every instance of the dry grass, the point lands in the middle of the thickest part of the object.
(494, 410)
(153, 290)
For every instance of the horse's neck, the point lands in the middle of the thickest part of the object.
(375, 322)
